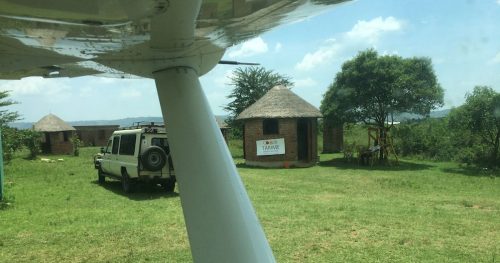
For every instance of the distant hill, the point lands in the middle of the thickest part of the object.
(122, 122)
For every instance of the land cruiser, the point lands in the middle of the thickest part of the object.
(137, 153)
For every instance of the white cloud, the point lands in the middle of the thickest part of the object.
(250, 48)
(362, 35)
(130, 93)
(498, 2)
(320, 56)
(279, 46)
(371, 30)
(305, 83)
(36, 86)
(496, 59)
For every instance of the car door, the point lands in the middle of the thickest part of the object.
(106, 156)
(114, 165)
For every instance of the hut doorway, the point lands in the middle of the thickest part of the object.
(46, 144)
(303, 139)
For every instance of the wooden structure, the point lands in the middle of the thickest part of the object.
(377, 144)
(280, 130)
(57, 134)
(333, 137)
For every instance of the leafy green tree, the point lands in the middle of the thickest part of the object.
(373, 89)
(480, 115)
(250, 84)
(11, 138)
(7, 116)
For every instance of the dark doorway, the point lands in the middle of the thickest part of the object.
(46, 146)
(303, 139)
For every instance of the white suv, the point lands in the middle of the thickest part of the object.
(138, 153)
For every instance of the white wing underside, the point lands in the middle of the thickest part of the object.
(128, 38)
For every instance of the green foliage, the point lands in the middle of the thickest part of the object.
(427, 139)
(372, 89)
(31, 139)
(480, 117)
(415, 212)
(11, 138)
(12, 141)
(6, 116)
(250, 84)
(77, 143)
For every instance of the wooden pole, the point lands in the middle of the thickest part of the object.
(1, 167)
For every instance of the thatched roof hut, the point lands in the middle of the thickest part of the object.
(280, 102)
(280, 130)
(57, 134)
(52, 123)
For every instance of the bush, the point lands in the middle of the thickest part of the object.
(427, 138)
(77, 143)
(31, 139)
(12, 141)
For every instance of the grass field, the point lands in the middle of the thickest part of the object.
(334, 212)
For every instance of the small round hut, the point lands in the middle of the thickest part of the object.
(56, 135)
(280, 130)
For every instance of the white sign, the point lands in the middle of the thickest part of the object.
(271, 147)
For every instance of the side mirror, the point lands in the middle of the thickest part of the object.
(102, 149)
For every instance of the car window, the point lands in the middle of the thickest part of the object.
(127, 144)
(116, 143)
(161, 142)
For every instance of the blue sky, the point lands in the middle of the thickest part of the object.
(462, 37)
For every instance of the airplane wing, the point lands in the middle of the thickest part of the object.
(62, 38)
(174, 42)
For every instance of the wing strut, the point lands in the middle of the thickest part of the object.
(220, 220)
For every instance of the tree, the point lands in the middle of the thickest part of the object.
(480, 115)
(373, 89)
(5, 115)
(11, 139)
(250, 84)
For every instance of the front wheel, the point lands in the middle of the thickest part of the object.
(100, 176)
(126, 182)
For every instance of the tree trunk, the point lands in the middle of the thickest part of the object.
(382, 142)
(494, 153)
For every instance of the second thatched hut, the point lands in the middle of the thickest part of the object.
(56, 135)
(280, 130)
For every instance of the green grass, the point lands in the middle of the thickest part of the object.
(335, 212)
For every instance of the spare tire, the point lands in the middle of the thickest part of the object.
(154, 158)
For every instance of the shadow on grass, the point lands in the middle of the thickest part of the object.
(141, 192)
(341, 163)
(472, 171)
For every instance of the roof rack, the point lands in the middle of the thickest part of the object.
(144, 124)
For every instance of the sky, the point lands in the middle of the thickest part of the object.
(462, 37)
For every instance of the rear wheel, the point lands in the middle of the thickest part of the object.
(126, 182)
(169, 185)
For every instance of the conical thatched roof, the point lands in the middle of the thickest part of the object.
(280, 102)
(52, 123)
